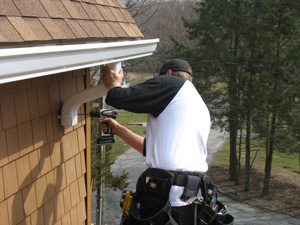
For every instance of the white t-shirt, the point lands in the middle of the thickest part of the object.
(177, 138)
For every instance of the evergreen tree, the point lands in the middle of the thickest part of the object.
(284, 28)
(245, 56)
(217, 56)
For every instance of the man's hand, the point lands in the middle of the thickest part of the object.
(134, 140)
(113, 124)
(111, 78)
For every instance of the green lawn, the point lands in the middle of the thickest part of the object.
(119, 147)
(125, 117)
(132, 121)
(286, 162)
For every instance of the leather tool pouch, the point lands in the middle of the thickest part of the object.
(207, 216)
(150, 203)
(210, 211)
(206, 186)
(191, 188)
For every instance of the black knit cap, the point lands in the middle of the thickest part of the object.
(176, 65)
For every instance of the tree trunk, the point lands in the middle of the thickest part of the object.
(237, 180)
(268, 166)
(247, 160)
(233, 95)
(233, 158)
(248, 131)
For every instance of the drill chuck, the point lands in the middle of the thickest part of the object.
(112, 113)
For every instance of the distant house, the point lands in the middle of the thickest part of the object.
(46, 50)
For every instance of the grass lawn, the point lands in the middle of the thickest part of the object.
(286, 162)
(125, 117)
(119, 147)
(133, 122)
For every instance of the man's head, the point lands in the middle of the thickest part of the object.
(177, 67)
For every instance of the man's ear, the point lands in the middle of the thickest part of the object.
(169, 72)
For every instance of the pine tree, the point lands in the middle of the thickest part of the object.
(245, 56)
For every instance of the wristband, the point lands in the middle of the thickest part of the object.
(116, 83)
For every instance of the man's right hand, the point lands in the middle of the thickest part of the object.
(111, 78)
(113, 124)
(134, 140)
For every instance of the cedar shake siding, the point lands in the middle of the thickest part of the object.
(42, 165)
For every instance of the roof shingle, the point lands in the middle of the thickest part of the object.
(22, 21)
(121, 3)
(76, 28)
(102, 2)
(127, 28)
(57, 28)
(92, 11)
(75, 9)
(7, 32)
(114, 3)
(30, 29)
(30, 8)
(106, 13)
(8, 8)
(128, 16)
(118, 14)
(118, 29)
(55, 9)
(90, 28)
(106, 30)
(136, 29)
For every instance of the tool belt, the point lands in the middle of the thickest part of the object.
(150, 203)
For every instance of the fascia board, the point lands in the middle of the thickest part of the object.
(30, 62)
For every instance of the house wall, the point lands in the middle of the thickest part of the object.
(42, 165)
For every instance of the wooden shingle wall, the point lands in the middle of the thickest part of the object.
(42, 165)
(42, 21)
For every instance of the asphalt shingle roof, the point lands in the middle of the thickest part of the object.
(39, 21)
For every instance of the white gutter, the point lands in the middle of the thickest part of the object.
(29, 62)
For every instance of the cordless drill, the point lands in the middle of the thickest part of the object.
(107, 137)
